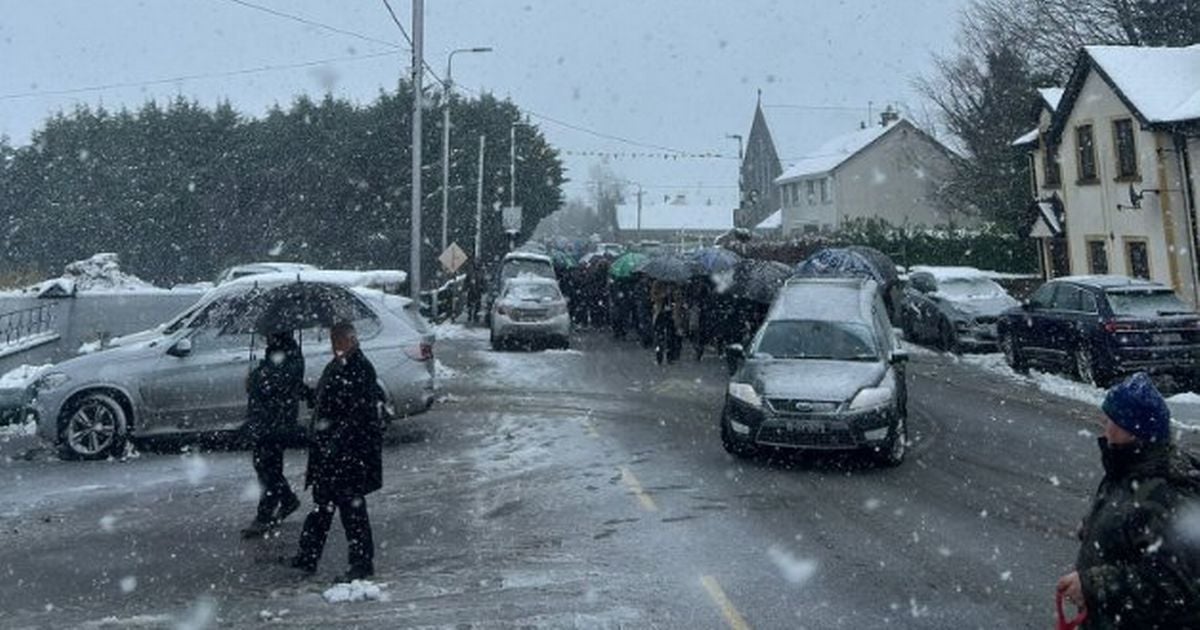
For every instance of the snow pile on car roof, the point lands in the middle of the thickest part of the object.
(99, 274)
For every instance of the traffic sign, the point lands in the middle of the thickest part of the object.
(452, 258)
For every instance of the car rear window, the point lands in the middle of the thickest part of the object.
(1146, 304)
(517, 267)
(540, 292)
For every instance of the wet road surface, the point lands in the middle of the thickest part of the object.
(585, 488)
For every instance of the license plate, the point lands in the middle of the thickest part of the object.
(1162, 338)
(808, 427)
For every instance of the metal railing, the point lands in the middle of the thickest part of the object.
(445, 302)
(25, 323)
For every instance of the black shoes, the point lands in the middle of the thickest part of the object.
(304, 566)
(286, 509)
(356, 573)
(257, 529)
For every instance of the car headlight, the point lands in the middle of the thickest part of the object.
(873, 397)
(50, 381)
(745, 393)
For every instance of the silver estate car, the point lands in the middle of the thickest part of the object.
(187, 377)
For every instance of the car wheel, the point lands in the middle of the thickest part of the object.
(94, 426)
(1012, 355)
(733, 444)
(1085, 366)
(947, 337)
(893, 451)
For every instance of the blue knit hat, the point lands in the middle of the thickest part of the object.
(1136, 406)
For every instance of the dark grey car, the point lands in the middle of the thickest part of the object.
(953, 308)
(824, 372)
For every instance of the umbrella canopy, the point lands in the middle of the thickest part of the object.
(840, 262)
(562, 259)
(627, 264)
(712, 260)
(670, 268)
(290, 307)
(758, 280)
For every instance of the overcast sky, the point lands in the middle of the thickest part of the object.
(679, 74)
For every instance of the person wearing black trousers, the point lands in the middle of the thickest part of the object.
(345, 458)
(275, 387)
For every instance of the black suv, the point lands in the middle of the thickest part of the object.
(1098, 328)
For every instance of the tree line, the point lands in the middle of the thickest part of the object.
(181, 190)
(986, 93)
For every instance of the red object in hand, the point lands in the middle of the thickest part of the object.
(1063, 622)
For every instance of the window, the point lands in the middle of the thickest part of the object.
(1043, 296)
(1097, 257)
(825, 192)
(1068, 298)
(1060, 258)
(1137, 259)
(1089, 302)
(1127, 167)
(1085, 144)
(812, 192)
(1052, 174)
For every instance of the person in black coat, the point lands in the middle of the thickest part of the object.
(275, 387)
(345, 458)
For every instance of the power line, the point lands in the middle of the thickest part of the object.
(193, 77)
(321, 25)
(397, 21)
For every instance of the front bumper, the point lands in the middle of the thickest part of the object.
(978, 336)
(839, 430)
(558, 326)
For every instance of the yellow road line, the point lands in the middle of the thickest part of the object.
(636, 487)
(731, 614)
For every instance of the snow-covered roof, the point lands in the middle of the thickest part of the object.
(1163, 84)
(773, 222)
(1029, 137)
(1051, 96)
(834, 152)
(676, 216)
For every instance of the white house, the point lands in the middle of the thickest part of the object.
(888, 172)
(1114, 169)
(675, 220)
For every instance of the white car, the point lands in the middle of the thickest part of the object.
(190, 378)
(530, 309)
(252, 269)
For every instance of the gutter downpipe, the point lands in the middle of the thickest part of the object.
(1189, 205)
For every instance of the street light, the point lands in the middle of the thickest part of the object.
(446, 135)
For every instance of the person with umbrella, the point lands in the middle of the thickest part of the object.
(275, 387)
(345, 459)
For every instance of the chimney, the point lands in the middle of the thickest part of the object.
(888, 116)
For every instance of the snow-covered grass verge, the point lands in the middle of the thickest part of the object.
(1185, 407)
(356, 591)
(450, 330)
(10, 431)
(21, 376)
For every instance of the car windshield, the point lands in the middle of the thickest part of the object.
(970, 288)
(812, 339)
(521, 266)
(533, 292)
(1147, 304)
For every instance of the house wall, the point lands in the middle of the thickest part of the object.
(893, 180)
(1099, 210)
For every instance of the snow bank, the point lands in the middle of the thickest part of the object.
(449, 330)
(21, 376)
(22, 344)
(99, 274)
(356, 591)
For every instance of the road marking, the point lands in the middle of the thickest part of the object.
(731, 614)
(635, 486)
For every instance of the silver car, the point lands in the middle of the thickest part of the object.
(530, 308)
(189, 377)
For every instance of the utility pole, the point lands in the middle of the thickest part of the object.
(639, 217)
(418, 67)
(449, 96)
(479, 201)
(512, 165)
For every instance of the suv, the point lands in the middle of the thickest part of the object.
(1098, 328)
(823, 372)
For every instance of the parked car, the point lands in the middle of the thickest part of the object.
(955, 308)
(250, 269)
(530, 309)
(1098, 328)
(190, 376)
(517, 263)
(824, 372)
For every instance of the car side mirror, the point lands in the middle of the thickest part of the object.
(899, 355)
(180, 348)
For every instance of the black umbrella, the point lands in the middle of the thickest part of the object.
(758, 280)
(670, 268)
(289, 307)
